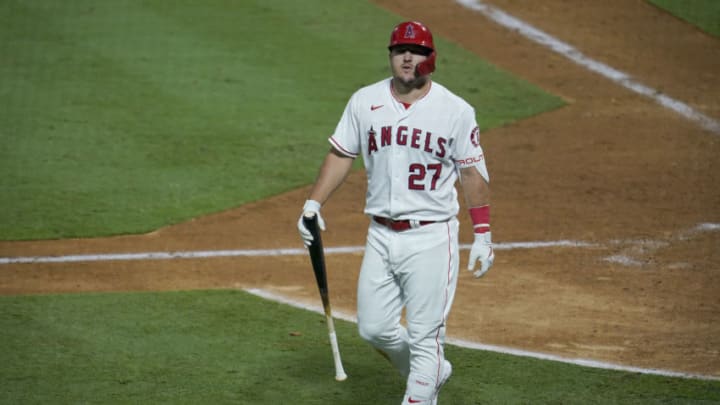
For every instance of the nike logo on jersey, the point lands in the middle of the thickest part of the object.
(375, 107)
(414, 401)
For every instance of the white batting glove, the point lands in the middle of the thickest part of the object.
(481, 251)
(310, 207)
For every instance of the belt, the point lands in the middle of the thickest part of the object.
(401, 225)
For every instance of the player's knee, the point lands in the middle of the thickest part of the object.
(368, 331)
(374, 333)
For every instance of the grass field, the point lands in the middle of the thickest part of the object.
(705, 14)
(124, 117)
(121, 117)
(216, 347)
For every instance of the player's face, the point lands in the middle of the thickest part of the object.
(404, 59)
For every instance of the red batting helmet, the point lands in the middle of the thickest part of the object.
(415, 33)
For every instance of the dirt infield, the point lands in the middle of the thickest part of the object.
(637, 182)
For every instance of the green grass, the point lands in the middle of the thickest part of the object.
(705, 14)
(124, 116)
(226, 346)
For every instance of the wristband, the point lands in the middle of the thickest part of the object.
(480, 217)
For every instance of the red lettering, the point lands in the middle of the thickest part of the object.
(470, 160)
(415, 138)
(441, 144)
(402, 135)
(386, 136)
(428, 138)
(372, 144)
(418, 172)
(436, 169)
(418, 139)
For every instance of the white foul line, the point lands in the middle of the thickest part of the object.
(492, 348)
(703, 227)
(204, 254)
(576, 56)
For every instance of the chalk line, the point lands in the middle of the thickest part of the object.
(703, 227)
(493, 348)
(637, 253)
(204, 254)
(572, 53)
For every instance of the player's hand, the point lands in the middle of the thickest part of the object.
(311, 207)
(481, 251)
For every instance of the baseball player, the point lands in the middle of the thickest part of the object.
(416, 139)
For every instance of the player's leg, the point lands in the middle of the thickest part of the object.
(428, 279)
(379, 302)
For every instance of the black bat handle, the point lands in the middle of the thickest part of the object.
(316, 255)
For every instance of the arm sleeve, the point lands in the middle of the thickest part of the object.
(467, 149)
(345, 139)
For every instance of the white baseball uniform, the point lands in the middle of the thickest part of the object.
(412, 155)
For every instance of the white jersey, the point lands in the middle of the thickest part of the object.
(412, 155)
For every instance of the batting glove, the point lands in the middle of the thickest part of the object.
(311, 207)
(481, 251)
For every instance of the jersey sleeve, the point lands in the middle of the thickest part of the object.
(345, 139)
(467, 149)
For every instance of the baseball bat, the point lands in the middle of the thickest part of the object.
(317, 257)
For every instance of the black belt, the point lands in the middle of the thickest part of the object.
(401, 225)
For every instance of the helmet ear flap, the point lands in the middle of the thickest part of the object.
(427, 66)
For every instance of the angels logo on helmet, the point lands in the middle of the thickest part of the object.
(409, 32)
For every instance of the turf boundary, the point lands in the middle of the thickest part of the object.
(568, 51)
(206, 254)
(625, 257)
(496, 349)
